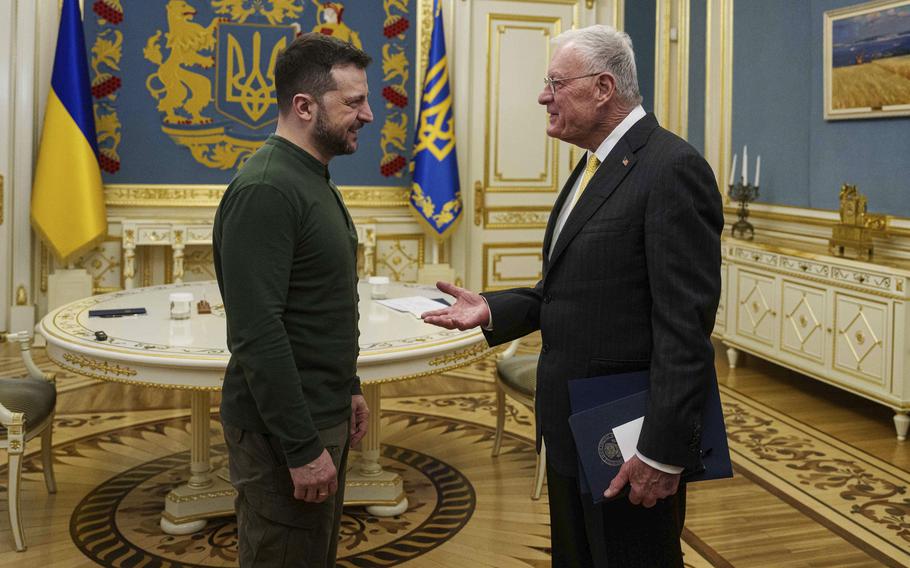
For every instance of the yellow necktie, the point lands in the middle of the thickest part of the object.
(593, 163)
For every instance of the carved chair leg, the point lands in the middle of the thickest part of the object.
(540, 472)
(15, 522)
(47, 456)
(500, 419)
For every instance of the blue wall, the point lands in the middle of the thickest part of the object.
(778, 112)
(641, 19)
(697, 39)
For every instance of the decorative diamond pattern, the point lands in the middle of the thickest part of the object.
(860, 338)
(803, 320)
(756, 306)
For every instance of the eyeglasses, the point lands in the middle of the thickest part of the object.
(551, 82)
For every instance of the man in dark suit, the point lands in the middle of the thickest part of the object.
(631, 281)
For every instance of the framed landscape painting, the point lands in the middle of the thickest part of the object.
(867, 60)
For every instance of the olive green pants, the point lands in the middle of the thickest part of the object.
(275, 529)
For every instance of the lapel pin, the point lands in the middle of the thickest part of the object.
(625, 161)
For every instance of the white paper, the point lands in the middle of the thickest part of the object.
(415, 305)
(627, 437)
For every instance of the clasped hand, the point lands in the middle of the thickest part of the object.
(647, 483)
(469, 311)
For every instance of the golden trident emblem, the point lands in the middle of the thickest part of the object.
(254, 92)
(435, 131)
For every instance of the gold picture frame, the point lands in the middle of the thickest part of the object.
(867, 60)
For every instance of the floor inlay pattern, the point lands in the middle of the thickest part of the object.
(862, 498)
(117, 522)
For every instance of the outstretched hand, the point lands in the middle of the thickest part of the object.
(648, 484)
(469, 310)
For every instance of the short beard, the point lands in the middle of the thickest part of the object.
(330, 143)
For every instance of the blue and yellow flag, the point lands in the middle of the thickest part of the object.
(67, 196)
(435, 193)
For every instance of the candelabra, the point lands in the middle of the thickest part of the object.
(743, 192)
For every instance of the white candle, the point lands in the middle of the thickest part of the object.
(733, 170)
(757, 170)
(745, 165)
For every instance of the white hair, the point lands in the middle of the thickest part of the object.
(604, 48)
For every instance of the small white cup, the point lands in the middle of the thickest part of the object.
(181, 305)
(379, 287)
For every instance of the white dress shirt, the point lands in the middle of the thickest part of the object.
(602, 152)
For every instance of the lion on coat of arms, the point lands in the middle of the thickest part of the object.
(182, 89)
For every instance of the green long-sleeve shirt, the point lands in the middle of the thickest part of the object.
(285, 258)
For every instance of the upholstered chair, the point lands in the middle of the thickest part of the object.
(516, 376)
(27, 407)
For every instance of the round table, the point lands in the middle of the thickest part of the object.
(154, 350)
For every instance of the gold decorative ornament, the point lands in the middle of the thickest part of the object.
(45, 262)
(854, 233)
(200, 496)
(518, 217)
(86, 373)
(478, 203)
(456, 356)
(21, 296)
(103, 366)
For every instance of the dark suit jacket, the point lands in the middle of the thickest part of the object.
(633, 283)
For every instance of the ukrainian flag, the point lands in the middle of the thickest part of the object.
(67, 196)
(435, 192)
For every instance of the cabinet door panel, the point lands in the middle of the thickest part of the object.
(861, 340)
(756, 306)
(803, 321)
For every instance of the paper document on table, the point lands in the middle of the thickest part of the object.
(627, 437)
(415, 305)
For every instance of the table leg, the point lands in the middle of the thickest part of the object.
(367, 483)
(205, 495)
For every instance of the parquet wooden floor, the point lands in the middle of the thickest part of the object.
(821, 479)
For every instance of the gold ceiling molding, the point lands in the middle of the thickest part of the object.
(124, 195)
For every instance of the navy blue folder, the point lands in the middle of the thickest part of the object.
(599, 404)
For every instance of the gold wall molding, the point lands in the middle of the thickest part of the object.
(375, 196)
(497, 26)
(495, 252)
(808, 216)
(45, 262)
(671, 73)
(529, 217)
(719, 88)
(619, 14)
(124, 195)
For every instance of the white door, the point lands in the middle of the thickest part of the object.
(514, 171)
(7, 35)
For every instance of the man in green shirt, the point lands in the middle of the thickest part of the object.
(285, 258)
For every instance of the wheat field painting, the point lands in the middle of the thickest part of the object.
(868, 60)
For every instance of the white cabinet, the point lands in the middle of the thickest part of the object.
(841, 321)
